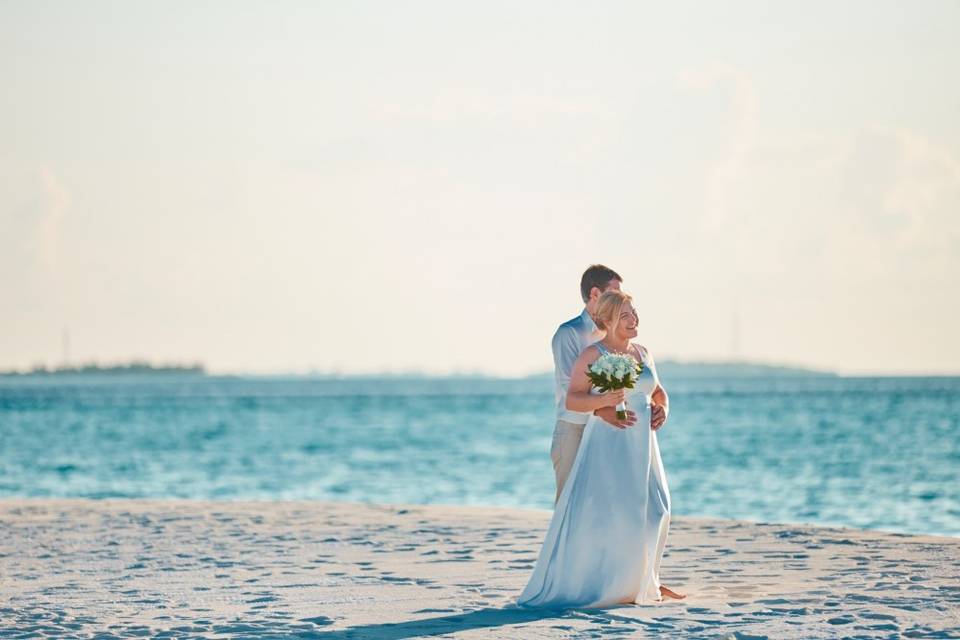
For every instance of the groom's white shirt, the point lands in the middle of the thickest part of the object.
(571, 338)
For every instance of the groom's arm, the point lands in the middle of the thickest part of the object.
(566, 350)
(659, 407)
(659, 399)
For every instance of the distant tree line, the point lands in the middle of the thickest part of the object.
(94, 368)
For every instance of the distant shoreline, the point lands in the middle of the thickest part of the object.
(93, 369)
(673, 368)
(669, 369)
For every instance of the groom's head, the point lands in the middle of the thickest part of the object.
(595, 280)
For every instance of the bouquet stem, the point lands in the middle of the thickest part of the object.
(622, 411)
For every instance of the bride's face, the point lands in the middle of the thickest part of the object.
(627, 325)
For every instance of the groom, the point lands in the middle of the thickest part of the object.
(572, 337)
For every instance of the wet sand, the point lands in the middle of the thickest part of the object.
(188, 569)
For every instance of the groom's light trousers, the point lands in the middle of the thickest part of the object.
(563, 451)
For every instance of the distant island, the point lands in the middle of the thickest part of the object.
(135, 367)
(736, 369)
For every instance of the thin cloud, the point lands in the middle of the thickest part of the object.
(743, 135)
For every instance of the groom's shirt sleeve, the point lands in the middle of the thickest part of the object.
(566, 350)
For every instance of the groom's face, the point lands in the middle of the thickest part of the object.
(596, 292)
(613, 285)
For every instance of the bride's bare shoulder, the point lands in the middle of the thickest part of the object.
(590, 352)
(642, 350)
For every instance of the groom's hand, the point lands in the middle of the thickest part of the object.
(610, 415)
(657, 416)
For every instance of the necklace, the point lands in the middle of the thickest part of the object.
(614, 350)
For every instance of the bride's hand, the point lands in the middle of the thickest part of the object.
(613, 398)
(609, 415)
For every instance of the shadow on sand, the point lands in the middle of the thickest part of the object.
(479, 619)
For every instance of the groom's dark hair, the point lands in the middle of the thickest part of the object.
(597, 276)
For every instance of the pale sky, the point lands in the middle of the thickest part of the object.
(398, 186)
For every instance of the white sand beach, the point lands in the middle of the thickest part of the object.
(179, 569)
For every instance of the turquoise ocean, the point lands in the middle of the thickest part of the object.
(878, 453)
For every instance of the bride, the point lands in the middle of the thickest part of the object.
(609, 527)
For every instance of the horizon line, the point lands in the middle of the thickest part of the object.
(138, 366)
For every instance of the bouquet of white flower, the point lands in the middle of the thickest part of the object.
(615, 371)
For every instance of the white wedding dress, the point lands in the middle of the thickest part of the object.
(609, 527)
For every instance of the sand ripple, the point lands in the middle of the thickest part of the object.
(188, 569)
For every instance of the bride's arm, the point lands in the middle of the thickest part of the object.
(579, 397)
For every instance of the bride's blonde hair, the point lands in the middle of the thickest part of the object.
(609, 307)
